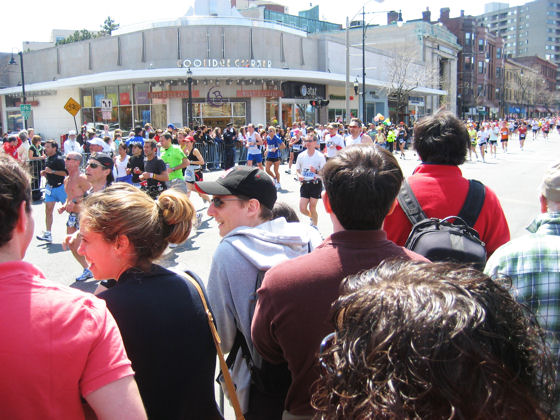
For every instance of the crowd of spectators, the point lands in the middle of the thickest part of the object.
(354, 325)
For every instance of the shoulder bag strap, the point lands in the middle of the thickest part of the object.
(193, 278)
(410, 205)
(473, 203)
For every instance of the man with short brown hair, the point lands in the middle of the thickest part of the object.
(294, 301)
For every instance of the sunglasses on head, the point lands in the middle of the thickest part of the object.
(219, 202)
(69, 158)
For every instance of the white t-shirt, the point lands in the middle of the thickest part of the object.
(120, 166)
(252, 149)
(304, 162)
(72, 146)
(332, 143)
(351, 140)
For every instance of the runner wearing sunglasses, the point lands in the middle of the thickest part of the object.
(99, 173)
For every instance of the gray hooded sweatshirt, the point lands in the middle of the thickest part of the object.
(241, 254)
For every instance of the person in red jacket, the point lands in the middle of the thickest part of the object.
(441, 141)
(522, 130)
(12, 145)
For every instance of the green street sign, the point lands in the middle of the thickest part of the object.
(25, 110)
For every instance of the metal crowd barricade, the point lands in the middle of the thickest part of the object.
(35, 168)
(214, 155)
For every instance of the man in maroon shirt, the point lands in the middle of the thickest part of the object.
(293, 305)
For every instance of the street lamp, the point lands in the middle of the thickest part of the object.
(189, 107)
(356, 86)
(13, 62)
(399, 23)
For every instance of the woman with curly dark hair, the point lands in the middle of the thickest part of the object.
(432, 341)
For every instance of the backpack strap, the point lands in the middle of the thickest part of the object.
(473, 203)
(240, 343)
(410, 205)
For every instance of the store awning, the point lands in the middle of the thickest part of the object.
(140, 76)
(541, 109)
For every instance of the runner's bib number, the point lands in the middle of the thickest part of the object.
(308, 175)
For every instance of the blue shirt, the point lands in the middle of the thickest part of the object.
(273, 146)
(132, 140)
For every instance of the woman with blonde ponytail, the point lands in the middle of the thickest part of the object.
(159, 313)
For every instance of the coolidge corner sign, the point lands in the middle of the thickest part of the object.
(225, 62)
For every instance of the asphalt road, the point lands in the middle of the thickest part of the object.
(515, 177)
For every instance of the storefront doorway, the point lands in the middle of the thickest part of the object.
(217, 115)
(294, 110)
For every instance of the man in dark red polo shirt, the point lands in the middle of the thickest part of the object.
(293, 305)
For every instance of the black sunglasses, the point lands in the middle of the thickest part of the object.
(93, 165)
(219, 202)
(69, 158)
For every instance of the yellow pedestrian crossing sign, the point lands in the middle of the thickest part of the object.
(72, 106)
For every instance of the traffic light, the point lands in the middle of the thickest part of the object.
(318, 103)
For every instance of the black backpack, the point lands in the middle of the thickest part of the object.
(441, 240)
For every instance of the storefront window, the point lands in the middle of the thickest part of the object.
(141, 94)
(15, 122)
(159, 116)
(287, 115)
(239, 109)
(98, 95)
(218, 116)
(125, 95)
(12, 101)
(130, 107)
(216, 111)
(272, 112)
(113, 94)
(143, 115)
(125, 118)
(87, 115)
(339, 114)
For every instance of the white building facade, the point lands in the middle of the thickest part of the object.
(242, 71)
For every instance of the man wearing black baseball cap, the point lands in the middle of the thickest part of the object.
(252, 242)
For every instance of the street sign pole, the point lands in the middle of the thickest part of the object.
(73, 108)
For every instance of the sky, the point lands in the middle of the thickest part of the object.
(33, 20)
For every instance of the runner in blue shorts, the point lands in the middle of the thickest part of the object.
(55, 171)
(254, 143)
